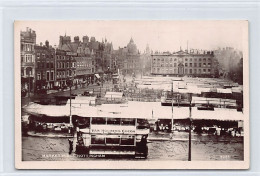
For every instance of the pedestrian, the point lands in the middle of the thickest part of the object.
(70, 146)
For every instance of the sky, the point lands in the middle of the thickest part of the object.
(159, 35)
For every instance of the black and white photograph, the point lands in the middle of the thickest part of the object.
(131, 94)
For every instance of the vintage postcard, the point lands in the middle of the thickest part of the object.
(131, 94)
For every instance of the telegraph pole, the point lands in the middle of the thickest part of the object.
(172, 106)
(189, 154)
(70, 82)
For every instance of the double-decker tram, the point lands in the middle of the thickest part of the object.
(112, 137)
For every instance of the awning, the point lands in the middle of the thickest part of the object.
(97, 75)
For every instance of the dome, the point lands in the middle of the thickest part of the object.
(131, 47)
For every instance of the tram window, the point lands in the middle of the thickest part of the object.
(128, 140)
(113, 141)
(81, 122)
(98, 120)
(142, 124)
(97, 140)
(128, 122)
(113, 121)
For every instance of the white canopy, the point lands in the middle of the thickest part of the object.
(145, 110)
(113, 95)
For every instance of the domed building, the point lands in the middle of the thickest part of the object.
(132, 61)
(131, 47)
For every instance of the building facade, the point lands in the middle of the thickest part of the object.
(28, 41)
(183, 63)
(45, 66)
(85, 70)
(128, 59)
(65, 67)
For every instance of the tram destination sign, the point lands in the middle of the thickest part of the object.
(104, 129)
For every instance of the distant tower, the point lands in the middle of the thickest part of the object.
(147, 49)
(64, 40)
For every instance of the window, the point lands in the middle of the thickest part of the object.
(186, 71)
(186, 64)
(22, 59)
(186, 59)
(128, 122)
(38, 76)
(52, 75)
(47, 65)
(97, 139)
(204, 70)
(113, 121)
(48, 76)
(38, 64)
(190, 64)
(204, 59)
(199, 64)
(190, 71)
(127, 140)
(204, 64)
(175, 64)
(190, 59)
(195, 71)
(98, 120)
(199, 70)
(52, 65)
(209, 64)
(115, 140)
(175, 59)
(199, 59)
(209, 70)
(195, 64)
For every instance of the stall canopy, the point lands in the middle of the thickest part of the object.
(114, 95)
(133, 109)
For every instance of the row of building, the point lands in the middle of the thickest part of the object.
(47, 67)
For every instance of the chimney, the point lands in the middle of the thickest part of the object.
(47, 43)
(76, 39)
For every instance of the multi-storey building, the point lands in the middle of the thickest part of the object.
(65, 67)
(45, 66)
(27, 40)
(85, 69)
(183, 63)
(146, 61)
(128, 59)
(89, 59)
